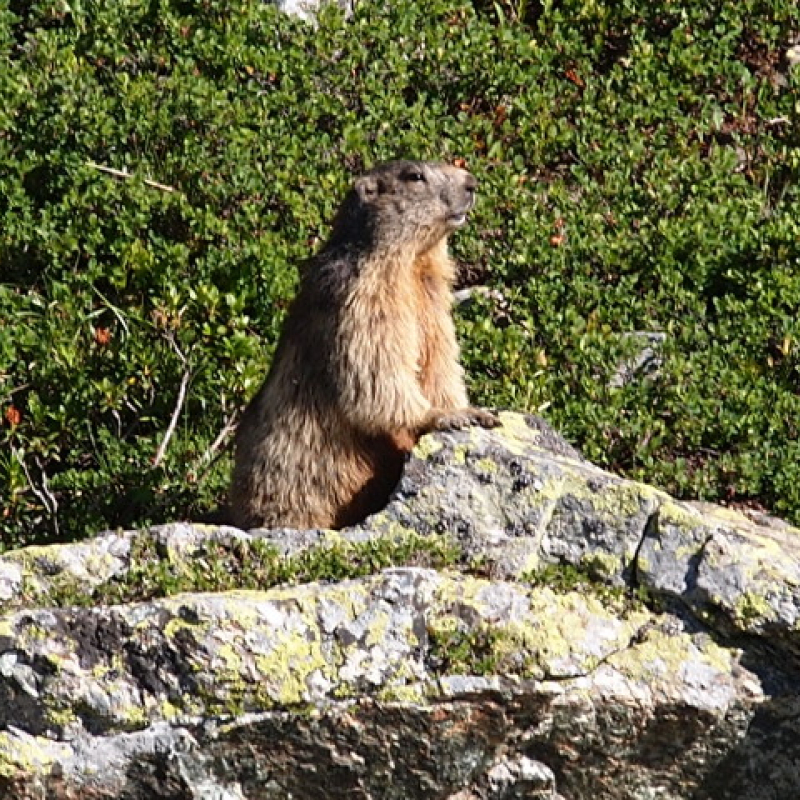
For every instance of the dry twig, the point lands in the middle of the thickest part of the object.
(46, 497)
(215, 450)
(121, 173)
(159, 456)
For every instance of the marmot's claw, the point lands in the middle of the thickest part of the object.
(453, 421)
(485, 418)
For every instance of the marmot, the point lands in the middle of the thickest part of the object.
(367, 360)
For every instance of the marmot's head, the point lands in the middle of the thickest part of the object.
(404, 203)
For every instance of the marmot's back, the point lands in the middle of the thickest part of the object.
(367, 359)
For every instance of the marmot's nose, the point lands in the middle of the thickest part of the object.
(470, 182)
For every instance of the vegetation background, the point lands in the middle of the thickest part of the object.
(638, 164)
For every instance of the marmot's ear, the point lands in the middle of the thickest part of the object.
(367, 188)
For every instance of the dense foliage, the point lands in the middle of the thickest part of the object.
(638, 164)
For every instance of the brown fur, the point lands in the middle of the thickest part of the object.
(367, 361)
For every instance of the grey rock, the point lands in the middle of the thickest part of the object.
(645, 360)
(529, 669)
(308, 9)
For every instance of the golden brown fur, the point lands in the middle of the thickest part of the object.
(367, 361)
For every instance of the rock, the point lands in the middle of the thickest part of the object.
(582, 636)
(644, 362)
(308, 9)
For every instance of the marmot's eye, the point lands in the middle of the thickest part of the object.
(414, 175)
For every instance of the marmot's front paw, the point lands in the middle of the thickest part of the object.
(484, 418)
(461, 418)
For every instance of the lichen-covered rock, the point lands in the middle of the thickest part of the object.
(583, 636)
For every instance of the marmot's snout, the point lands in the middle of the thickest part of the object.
(460, 196)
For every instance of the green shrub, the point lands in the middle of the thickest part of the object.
(638, 166)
